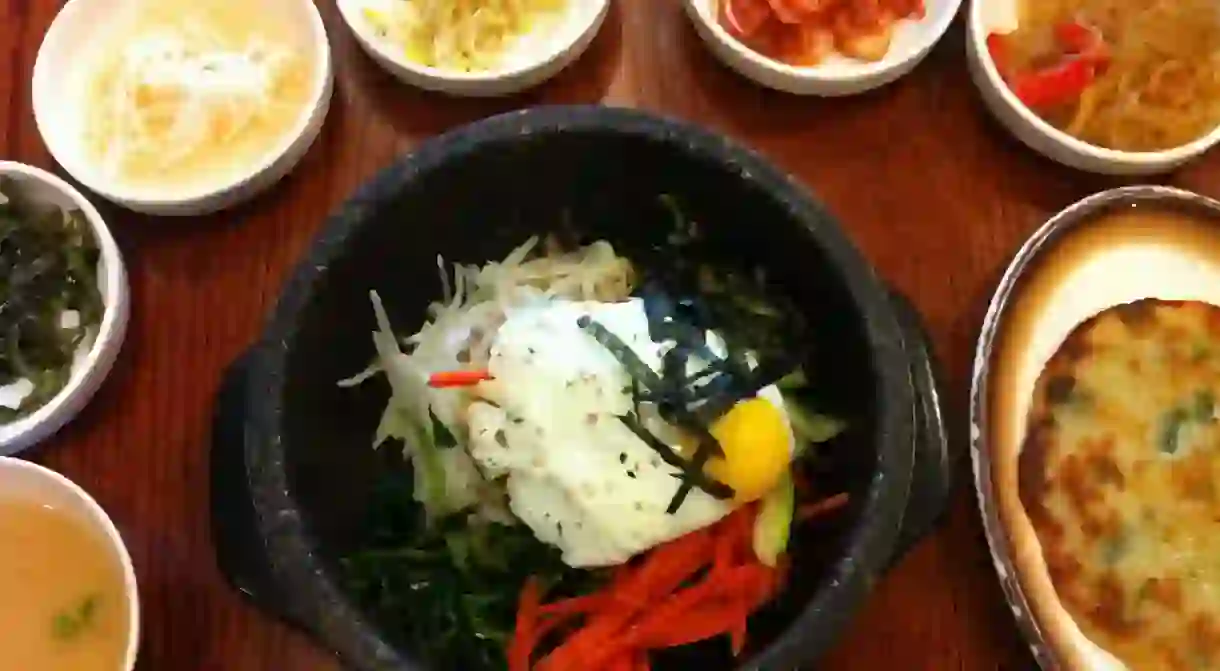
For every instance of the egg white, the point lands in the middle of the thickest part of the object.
(575, 474)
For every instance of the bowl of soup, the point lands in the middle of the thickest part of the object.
(1121, 87)
(70, 599)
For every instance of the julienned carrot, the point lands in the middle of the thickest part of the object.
(527, 624)
(663, 570)
(708, 621)
(740, 582)
(573, 606)
(734, 538)
(457, 378)
(698, 586)
(826, 505)
(666, 567)
(702, 612)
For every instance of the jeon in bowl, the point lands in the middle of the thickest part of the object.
(293, 473)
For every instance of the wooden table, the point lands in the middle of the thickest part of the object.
(936, 194)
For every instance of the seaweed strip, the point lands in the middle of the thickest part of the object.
(668, 455)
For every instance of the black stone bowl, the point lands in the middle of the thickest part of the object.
(292, 470)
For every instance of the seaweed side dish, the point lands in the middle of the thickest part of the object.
(50, 305)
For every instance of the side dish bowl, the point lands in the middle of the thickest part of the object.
(59, 81)
(838, 75)
(1000, 16)
(1073, 268)
(539, 57)
(90, 368)
(29, 483)
(287, 438)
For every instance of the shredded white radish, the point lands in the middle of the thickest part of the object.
(457, 334)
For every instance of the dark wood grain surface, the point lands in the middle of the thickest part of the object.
(935, 193)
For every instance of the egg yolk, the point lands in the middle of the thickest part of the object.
(755, 439)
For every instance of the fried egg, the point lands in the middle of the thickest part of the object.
(548, 424)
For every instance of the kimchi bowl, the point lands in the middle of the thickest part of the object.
(903, 45)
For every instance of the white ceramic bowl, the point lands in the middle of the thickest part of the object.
(32, 483)
(80, 28)
(1000, 16)
(538, 59)
(92, 365)
(838, 75)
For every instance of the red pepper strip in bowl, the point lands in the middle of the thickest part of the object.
(707, 621)
(1056, 85)
(733, 539)
(997, 48)
(743, 18)
(738, 585)
(575, 606)
(810, 511)
(457, 378)
(665, 568)
(699, 586)
(527, 622)
(1077, 38)
(662, 571)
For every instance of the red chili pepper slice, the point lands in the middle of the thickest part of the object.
(997, 48)
(743, 18)
(457, 378)
(1055, 85)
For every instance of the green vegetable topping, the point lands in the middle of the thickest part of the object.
(69, 623)
(450, 587)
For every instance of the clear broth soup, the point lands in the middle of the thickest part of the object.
(63, 600)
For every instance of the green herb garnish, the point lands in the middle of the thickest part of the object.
(1177, 422)
(69, 623)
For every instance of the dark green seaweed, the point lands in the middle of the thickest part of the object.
(48, 265)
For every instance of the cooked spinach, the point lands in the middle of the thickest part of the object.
(450, 588)
(69, 623)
